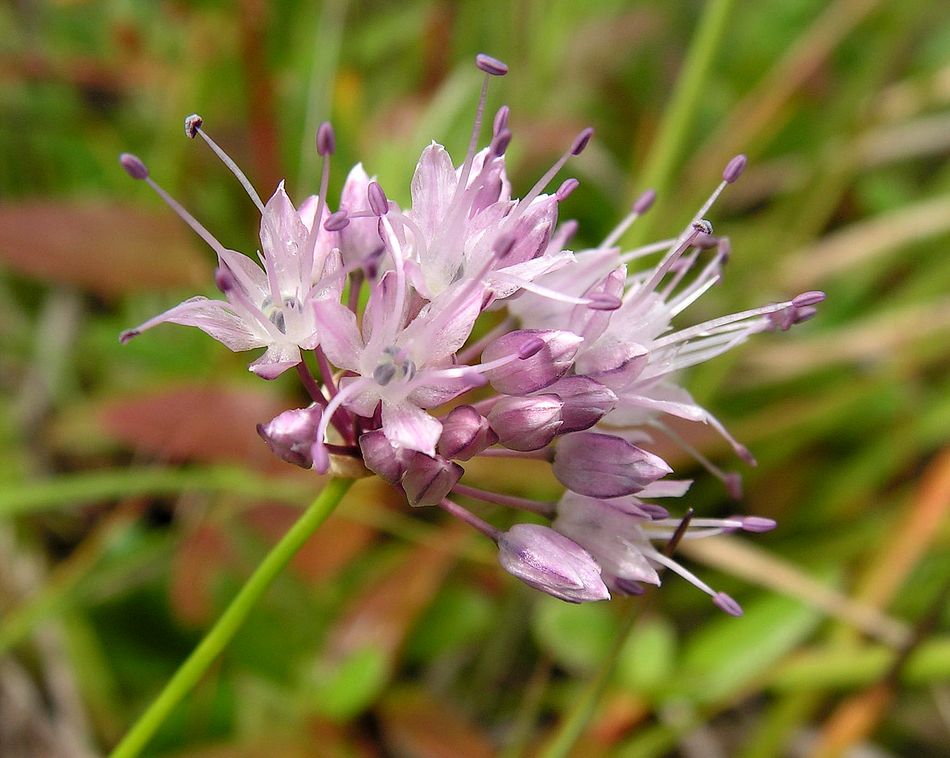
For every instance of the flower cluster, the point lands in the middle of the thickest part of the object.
(582, 356)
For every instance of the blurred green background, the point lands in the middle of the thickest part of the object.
(135, 496)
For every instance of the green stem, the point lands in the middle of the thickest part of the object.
(680, 115)
(583, 709)
(226, 627)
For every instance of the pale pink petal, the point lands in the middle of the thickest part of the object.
(338, 333)
(214, 317)
(276, 360)
(410, 427)
(249, 275)
(504, 282)
(433, 186)
(443, 325)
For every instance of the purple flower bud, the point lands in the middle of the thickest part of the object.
(378, 202)
(490, 65)
(540, 366)
(566, 188)
(133, 166)
(465, 433)
(291, 434)
(192, 125)
(628, 586)
(725, 603)
(605, 466)
(382, 457)
(500, 142)
(585, 402)
(548, 561)
(581, 140)
(336, 221)
(526, 423)
(326, 139)
(734, 169)
(809, 298)
(501, 120)
(428, 479)
(643, 203)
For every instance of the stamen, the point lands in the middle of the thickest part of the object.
(378, 201)
(734, 169)
(501, 120)
(471, 519)
(541, 507)
(640, 206)
(321, 459)
(336, 221)
(326, 140)
(193, 124)
(491, 66)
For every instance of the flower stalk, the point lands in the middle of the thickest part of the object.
(218, 637)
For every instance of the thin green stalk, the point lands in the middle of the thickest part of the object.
(679, 116)
(583, 710)
(226, 627)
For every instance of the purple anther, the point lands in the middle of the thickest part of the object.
(224, 280)
(500, 142)
(501, 120)
(724, 248)
(734, 168)
(531, 347)
(603, 301)
(503, 245)
(725, 603)
(566, 188)
(581, 140)
(733, 482)
(192, 125)
(336, 221)
(567, 230)
(378, 202)
(805, 314)
(655, 512)
(133, 166)
(808, 298)
(745, 454)
(705, 241)
(643, 203)
(326, 139)
(490, 65)
(756, 524)
(628, 586)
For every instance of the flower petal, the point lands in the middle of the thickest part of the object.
(410, 427)
(338, 334)
(276, 360)
(214, 317)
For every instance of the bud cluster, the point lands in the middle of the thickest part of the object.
(412, 387)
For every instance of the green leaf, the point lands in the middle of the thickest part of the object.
(575, 636)
(647, 659)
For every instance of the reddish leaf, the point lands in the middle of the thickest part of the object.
(197, 422)
(334, 545)
(198, 559)
(384, 613)
(108, 249)
(417, 724)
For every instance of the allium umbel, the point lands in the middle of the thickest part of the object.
(413, 386)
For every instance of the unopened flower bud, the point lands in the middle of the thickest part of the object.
(540, 365)
(291, 434)
(548, 561)
(465, 433)
(428, 479)
(383, 458)
(604, 465)
(584, 402)
(526, 423)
